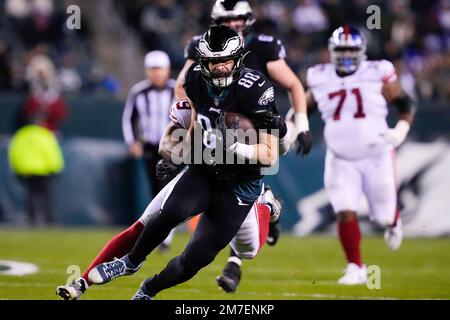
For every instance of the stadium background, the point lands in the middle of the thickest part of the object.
(102, 188)
(97, 64)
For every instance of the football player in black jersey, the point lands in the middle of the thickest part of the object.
(266, 54)
(224, 191)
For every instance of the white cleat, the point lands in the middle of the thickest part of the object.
(354, 275)
(393, 236)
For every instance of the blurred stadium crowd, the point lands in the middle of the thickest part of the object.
(414, 34)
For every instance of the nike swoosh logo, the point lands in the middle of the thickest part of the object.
(262, 83)
(240, 203)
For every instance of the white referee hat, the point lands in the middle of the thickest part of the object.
(157, 59)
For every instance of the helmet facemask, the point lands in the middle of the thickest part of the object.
(347, 47)
(221, 76)
(347, 59)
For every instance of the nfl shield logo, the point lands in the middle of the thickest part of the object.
(216, 102)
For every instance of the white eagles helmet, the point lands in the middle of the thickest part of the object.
(229, 9)
(220, 44)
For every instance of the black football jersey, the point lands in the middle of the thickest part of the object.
(253, 92)
(260, 49)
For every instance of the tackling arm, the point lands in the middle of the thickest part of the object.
(166, 144)
(173, 146)
(165, 168)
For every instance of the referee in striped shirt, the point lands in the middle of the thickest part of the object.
(146, 113)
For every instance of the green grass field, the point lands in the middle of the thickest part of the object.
(297, 268)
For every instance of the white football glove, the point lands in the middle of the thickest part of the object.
(397, 135)
(296, 123)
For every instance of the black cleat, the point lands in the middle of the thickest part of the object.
(72, 291)
(274, 233)
(142, 293)
(230, 278)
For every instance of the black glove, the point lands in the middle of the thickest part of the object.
(227, 137)
(166, 169)
(267, 119)
(304, 143)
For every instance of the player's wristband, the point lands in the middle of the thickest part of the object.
(402, 127)
(301, 122)
(242, 150)
(288, 139)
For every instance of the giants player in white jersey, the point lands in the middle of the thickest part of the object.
(352, 94)
(247, 242)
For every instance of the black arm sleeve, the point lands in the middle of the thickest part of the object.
(405, 104)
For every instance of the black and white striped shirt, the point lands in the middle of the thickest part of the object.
(146, 112)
